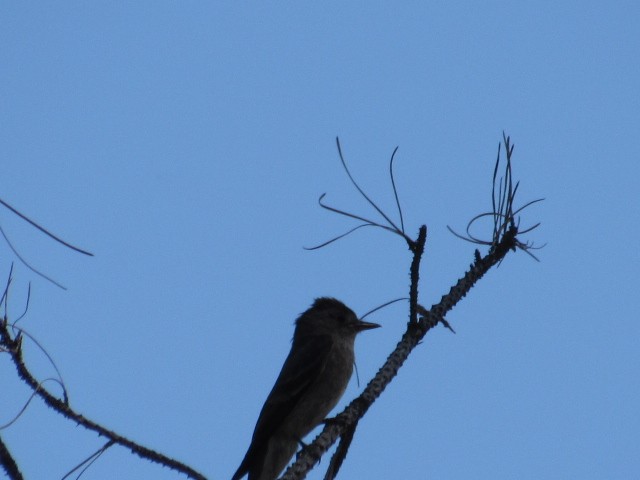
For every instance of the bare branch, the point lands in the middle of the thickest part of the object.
(386, 304)
(504, 239)
(22, 332)
(8, 464)
(357, 217)
(44, 230)
(395, 190)
(390, 225)
(371, 202)
(503, 193)
(341, 236)
(26, 404)
(341, 452)
(89, 460)
(47, 233)
(27, 264)
(13, 346)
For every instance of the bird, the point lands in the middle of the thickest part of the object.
(313, 378)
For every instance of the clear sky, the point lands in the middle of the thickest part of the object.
(186, 145)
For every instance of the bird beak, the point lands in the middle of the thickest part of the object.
(361, 326)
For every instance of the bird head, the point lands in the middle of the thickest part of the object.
(328, 316)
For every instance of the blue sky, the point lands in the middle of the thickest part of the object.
(186, 144)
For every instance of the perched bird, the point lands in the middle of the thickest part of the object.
(312, 380)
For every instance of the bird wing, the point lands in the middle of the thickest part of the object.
(304, 364)
(301, 368)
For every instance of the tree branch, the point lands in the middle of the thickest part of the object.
(503, 239)
(413, 335)
(8, 463)
(14, 347)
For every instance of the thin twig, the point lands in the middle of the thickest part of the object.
(44, 230)
(89, 460)
(390, 227)
(386, 304)
(503, 193)
(395, 190)
(355, 184)
(341, 236)
(27, 264)
(26, 404)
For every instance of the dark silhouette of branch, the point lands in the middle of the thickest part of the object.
(341, 452)
(23, 333)
(355, 184)
(8, 463)
(386, 304)
(47, 233)
(86, 463)
(421, 320)
(27, 264)
(343, 234)
(395, 190)
(390, 225)
(503, 193)
(26, 404)
(12, 344)
(44, 230)
(11, 338)
(417, 248)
